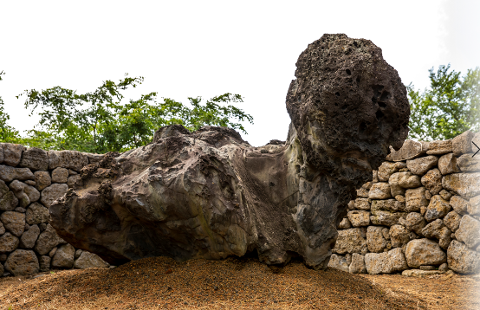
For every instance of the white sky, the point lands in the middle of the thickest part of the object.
(206, 48)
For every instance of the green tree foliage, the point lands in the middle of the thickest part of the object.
(98, 122)
(449, 107)
(7, 132)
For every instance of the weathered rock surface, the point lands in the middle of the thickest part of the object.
(452, 220)
(44, 262)
(459, 204)
(415, 199)
(22, 263)
(462, 143)
(409, 150)
(399, 236)
(90, 260)
(468, 231)
(8, 173)
(474, 206)
(339, 262)
(67, 159)
(35, 159)
(12, 153)
(376, 242)
(432, 181)
(64, 256)
(36, 214)
(8, 200)
(380, 190)
(52, 193)
(467, 163)
(25, 194)
(385, 170)
(461, 259)
(14, 222)
(8, 243)
(421, 252)
(47, 240)
(386, 262)
(437, 208)
(358, 264)
(420, 273)
(440, 147)
(60, 175)
(42, 179)
(209, 194)
(421, 165)
(448, 164)
(362, 204)
(351, 241)
(465, 184)
(28, 239)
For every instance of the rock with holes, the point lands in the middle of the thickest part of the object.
(351, 241)
(402, 180)
(12, 153)
(358, 264)
(437, 208)
(461, 259)
(8, 200)
(414, 221)
(421, 165)
(421, 252)
(52, 193)
(385, 170)
(380, 190)
(47, 240)
(362, 204)
(35, 159)
(462, 143)
(36, 214)
(8, 242)
(452, 220)
(386, 262)
(432, 181)
(344, 224)
(440, 147)
(415, 199)
(399, 236)
(209, 194)
(67, 159)
(338, 262)
(22, 263)
(14, 222)
(376, 242)
(359, 218)
(388, 205)
(466, 185)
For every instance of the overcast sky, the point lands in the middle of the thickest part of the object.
(206, 48)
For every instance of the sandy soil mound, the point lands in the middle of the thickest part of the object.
(161, 283)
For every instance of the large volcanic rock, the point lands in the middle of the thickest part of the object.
(210, 194)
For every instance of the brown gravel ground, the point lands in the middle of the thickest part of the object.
(234, 283)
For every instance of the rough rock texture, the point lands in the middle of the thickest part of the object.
(14, 222)
(28, 239)
(42, 179)
(35, 159)
(64, 256)
(465, 184)
(359, 218)
(421, 165)
(358, 264)
(22, 263)
(53, 192)
(376, 242)
(386, 262)
(415, 199)
(461, 259)
(60, 175)
(339, 262)
(459, 204)
(448, 164)
(469, 231)
(89, 260)
(440, 147)
(67, 159)
(209, 194)
(409, 150)
(432, 181)
(8, 243)
(36, 214)
(422, 252)
(47, 240)
(12, 153)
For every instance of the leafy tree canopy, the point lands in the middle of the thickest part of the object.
(97, 121)
(7, 133)
(449, 107)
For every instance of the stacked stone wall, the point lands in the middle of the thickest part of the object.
(419, 215)
(30, 180)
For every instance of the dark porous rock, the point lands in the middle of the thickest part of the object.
(47, 240)
(12, 153)
(67, 159)
(35, 159)
(22, 263)
(209, 194)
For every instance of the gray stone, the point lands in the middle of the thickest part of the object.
(386, 262)
(440, 147)
(362, 204)
(399, 236)
(421, 252)
(8, 243)
(60, 175)
(94, 158)
(36, 214)
(64, 257)
(445, 195)
(8, 201)
(358, 264)
(474, 206)
(380, 190)
(351, 241)
(376, 243)
(462, 143)
(35, 159)
(437, 208)
(432, 181)
(90, 260)
(20, 210)
(44, 263)
(8, 174)
(22, 263)
(26, 194)
(468, 231)
(459, 204)
(78, 252)
(452, 220)
(461, 259)
(421, 165)
(67, 159)
(415, 199)
(359, 218)
(52, 193)
(466, 185)
(42, 179)
(467, 163)
(336, 262)
(14, 222)
(74, 181)
(385, 170)
(448, 164)
(444, 267)
(420, 273)
(12, 153)
(28, 239)
(409, 150)
(47, 240)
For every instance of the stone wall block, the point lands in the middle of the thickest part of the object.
(74, 181)
(437, 208)
(421, 252)
(452, 220)
(399, 236)
(385, 170)
(47, 241)
(8, 174)
(336, 261)
(468, 231)
(60, 175)
(8, 202)
(432, 181)
(8, 243)
(44, 263)
(36, 214)
(459, 204)
(386, 262)
(386, 218)
(380, 190)
(359, 218)
(344, 224)
(466, 185)
(35, 159)
(414, 221)
(467, 163)
(421, 165)
(12, 153)
(376, 242)
(52, 193)
(473, 207)
(440, 147)
(64, 257)
(461, 259)
(362, 204)
(351, 240)
(28, 239)
(448, 164)
(67, 159)
(22, 263)
(409, 150)
(42, 179)
(462, 143)
(91, 260)
(388, 205)
(358, 264)
(14, 222)
(415, 199)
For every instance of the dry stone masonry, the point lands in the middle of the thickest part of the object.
(30, 180)
(420, 215)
